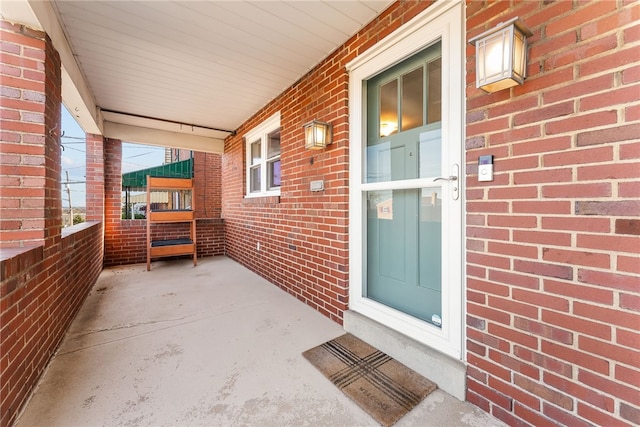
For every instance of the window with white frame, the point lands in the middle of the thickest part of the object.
(263, 158)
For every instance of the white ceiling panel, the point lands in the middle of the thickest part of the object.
(206, 63)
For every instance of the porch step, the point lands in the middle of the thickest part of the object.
(448, 373)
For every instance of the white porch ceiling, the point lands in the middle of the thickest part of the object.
(211, 64)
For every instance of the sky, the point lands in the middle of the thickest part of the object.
(134, 157)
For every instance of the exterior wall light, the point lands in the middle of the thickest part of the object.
(317, 135)
(501, 56)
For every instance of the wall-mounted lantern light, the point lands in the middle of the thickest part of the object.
(317, 135)
(501, 56)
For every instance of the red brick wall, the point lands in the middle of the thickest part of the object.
(30, 132)
(207, 181)
(39, 297)
(208, 192)
(552, 243)
(302, 234)
(119, 235)
(126, 240)
(52, 154)
(95, 177)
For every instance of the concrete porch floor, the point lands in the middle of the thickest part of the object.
(213, 345)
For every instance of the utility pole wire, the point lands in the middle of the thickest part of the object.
(69, 193)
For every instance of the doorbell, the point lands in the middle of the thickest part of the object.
(485, 168)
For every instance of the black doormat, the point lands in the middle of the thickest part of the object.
(379, 384)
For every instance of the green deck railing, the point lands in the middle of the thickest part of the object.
(137, 180)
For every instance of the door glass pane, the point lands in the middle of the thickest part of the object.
(430, 258)
(404, 227)
(412, 99)
(392, 160)
(386, 227)
(430, 237)
(434, 96)
(430, 151)
(379, 162)
(403, 251)
(388, 118)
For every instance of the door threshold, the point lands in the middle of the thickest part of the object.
(450, 374)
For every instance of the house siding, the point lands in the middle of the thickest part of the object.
(552, 243)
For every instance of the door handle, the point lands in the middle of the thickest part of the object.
(447, 178)
(455, 171)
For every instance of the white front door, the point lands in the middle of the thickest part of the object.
(405, 177)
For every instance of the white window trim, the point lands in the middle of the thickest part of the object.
(261, 132)
(443, 20)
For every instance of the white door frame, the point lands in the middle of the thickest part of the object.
(443, 20)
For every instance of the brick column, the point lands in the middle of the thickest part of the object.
(30, 199)
(208, 184)
(95, 178)
(207, 178)
(112, 196)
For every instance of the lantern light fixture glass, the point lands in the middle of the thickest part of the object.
(317, 135)
(501, 56)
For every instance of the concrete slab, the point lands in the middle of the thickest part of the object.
(208, 345)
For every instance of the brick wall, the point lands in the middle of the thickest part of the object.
(39, 297)
(552, 243)
(126, 240)
(302, 234)
(29, 130)
(118, 235)
(52, 154)
(207, 169)
(95, 177)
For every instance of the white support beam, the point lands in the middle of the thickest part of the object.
(165, 125)
(76, 95)
(163, 138)
(76, 103)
